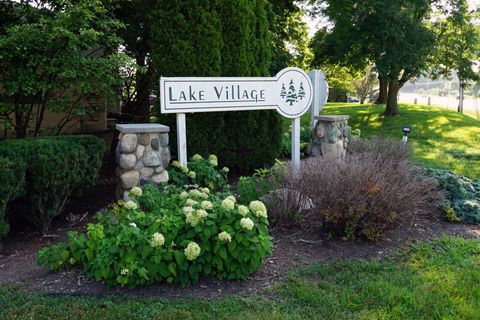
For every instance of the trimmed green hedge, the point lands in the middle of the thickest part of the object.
(55, 169)
(12, 177)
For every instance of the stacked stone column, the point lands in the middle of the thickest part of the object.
(329, 137)
(142, 155)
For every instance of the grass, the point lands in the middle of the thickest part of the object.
(441, 138)
(434, 280)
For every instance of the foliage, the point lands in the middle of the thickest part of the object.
(463, 195)
(372, 190)
(12, 176)
(176, 236)
(257, 185)
(304, 140)
(219, 38)
(200, 171)
(63, 61)
(458, 43)
(392, 34)
(289, 34)
(365, 83)
(56, 169)
(428, 280)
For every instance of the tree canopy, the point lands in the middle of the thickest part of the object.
(390, 33)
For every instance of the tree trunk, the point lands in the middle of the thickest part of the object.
(392, 99)
(383, 91)
(142, 103)
(460, 97)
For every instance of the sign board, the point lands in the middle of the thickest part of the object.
(290, 92)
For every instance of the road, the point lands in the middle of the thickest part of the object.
(449, 102)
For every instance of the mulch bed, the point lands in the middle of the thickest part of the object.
(291, 248)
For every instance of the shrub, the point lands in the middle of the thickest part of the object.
(174, 236)
(199, 171)
(56, 169)
(219, 38)
(262, 182)
(287, 142)
(12, 177)
(372, 190)
(463, 195)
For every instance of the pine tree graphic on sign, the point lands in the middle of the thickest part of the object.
(301, 91)
(283, 93)
(292, 96)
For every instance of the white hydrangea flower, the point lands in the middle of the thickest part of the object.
(132, 224)
(231, 198)
(197, 157)
(207, 205)
(205, 190)
(195, 193)
(203, 195)
(131, 205)
(201, 213)
(158, 240)
(187, 210)
(176, 164)
(214, 163)
(192, 174)
(192, 251)
(224, 236)
(191, 219)
(246, 223)
(190, 203)
(225, 169)
(124, 272)
(258, 208)
(184, 169)
(243, 210)
(183, 194)
(212, 157)
(136, 192)
(228, 204)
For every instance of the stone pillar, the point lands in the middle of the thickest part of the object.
(142, 155)
(330, 136)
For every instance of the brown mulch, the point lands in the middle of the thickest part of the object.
(291, 248)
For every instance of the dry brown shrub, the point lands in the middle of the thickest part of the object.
(375, 188)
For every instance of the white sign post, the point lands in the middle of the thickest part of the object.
(290, 92)
(320, 87)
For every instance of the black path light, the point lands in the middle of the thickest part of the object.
(406, 131)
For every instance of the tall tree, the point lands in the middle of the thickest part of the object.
(289, 35)
(458, 44)
(391, 33)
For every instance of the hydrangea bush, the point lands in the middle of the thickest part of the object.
(168, 234)
(200, 171)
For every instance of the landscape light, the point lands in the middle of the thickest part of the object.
(406, 131)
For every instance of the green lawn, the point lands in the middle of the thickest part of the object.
(437, 280)
(441, 138)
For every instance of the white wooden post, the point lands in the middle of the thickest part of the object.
(320, 94)
(296, 144)
(182, 139)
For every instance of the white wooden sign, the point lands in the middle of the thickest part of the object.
(290, 92)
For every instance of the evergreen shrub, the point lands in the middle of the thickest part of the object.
(12, 177)
(219, 38)
(56, 169)
(463, 196)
